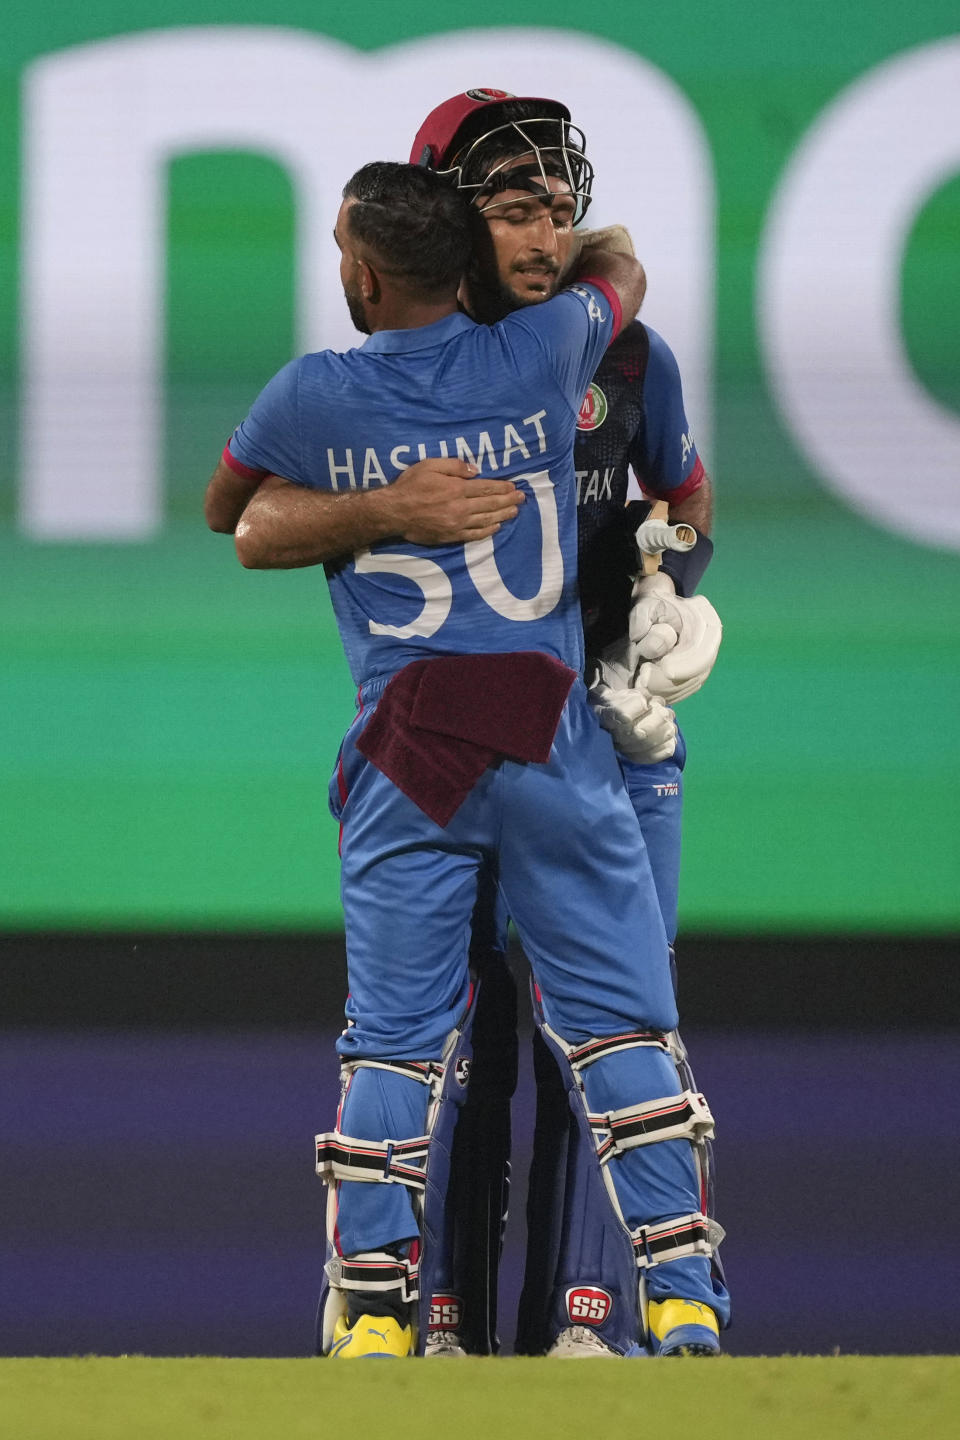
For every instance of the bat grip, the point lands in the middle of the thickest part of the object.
(650, 564)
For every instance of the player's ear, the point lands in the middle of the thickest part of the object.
(369, 281)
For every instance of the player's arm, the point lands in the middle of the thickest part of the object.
(696, 509)
(228, 494)
(617, 272)
(435, 502)
(664, 458)
(264, 492)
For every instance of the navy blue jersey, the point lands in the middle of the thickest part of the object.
(506, 397)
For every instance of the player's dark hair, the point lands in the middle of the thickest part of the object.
(419, 226)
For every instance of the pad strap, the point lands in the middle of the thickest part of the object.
(578, 1057)
(677, 1117)
(428, 1072)
(341, 1157)
(376, 1270)
(673, 1240)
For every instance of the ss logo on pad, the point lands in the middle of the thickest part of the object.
(588, 1305)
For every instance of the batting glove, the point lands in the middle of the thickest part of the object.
(684, 668)
(611, 237)
(655, 624)
(644, 730)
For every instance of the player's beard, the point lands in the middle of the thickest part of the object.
(357, 314)
(492, 298)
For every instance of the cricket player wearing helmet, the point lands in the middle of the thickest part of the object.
(474, 750)
(524, 165)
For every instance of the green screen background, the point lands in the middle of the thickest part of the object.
(168, 721)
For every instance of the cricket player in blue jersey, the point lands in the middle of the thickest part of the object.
(474, 752)
(495, 147)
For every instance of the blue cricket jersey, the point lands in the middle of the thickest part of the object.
(506, 397)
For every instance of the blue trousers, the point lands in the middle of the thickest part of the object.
(656, 794)
(567, 853)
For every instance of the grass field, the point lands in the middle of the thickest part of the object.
(791, 1398)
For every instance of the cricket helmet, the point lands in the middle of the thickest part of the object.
(475, 136)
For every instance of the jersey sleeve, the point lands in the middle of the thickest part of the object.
(268, 439)
(662, 453)
(573, 330)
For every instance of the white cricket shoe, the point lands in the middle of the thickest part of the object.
(443, 1343)
(579, 1342)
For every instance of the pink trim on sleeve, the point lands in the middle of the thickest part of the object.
(613, 299)
(692, 483)
(232, 463)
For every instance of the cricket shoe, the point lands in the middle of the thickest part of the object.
(371, 1337)
(442, 1344)
(682, 1327)
(579, 1342)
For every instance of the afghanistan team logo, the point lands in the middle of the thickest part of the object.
(490, 95)
(593, 411)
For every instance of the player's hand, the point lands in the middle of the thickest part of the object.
(644, 730)
(444, 502)
(684, 669)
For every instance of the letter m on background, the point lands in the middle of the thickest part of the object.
(101, 123)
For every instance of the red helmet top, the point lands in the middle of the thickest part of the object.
(435, 142)
(457, 138)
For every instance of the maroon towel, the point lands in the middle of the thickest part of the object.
(440, 723)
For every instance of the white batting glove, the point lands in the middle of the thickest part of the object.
(611, 237)
(655, 616)
(644, 730)
(684, 668)
(655, 625)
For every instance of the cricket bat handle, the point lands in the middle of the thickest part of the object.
(656, 534)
